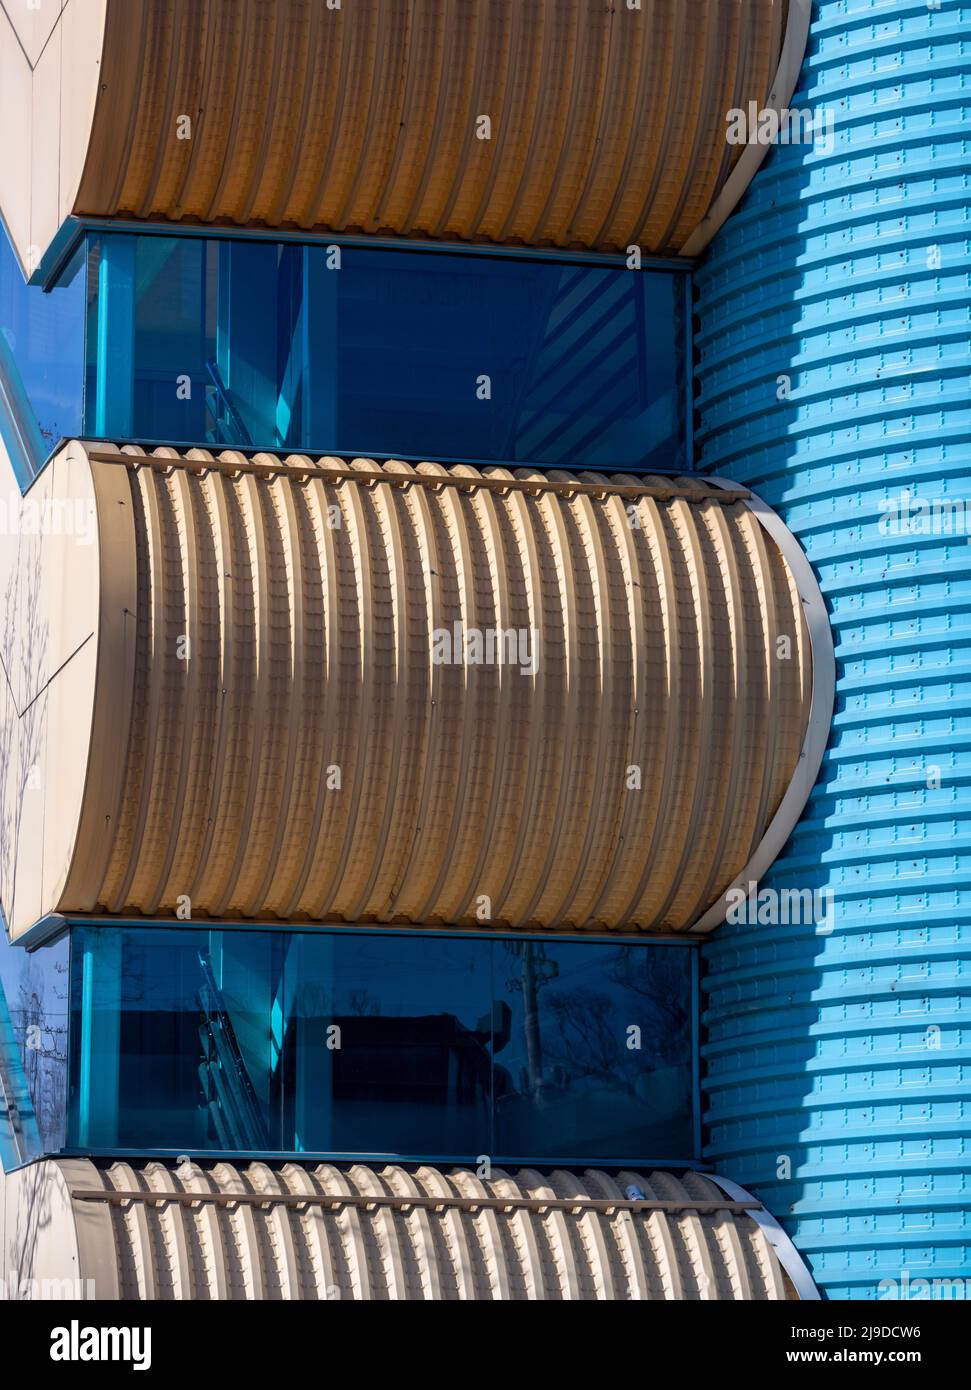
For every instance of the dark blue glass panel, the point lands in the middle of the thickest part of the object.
(382, 1043)
(33, 1049)
(41, 360)
(390, 1044)
(359, 350)
(598, 1057)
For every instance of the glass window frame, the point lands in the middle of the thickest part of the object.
(693, 1159)
(118, 391)
(29, 458)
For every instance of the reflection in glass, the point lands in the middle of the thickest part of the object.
(390, 1044)
(427, 354)
(175, 1039)
(33, 1049)
(415, 1044)
(41, 361)
(599, 1050)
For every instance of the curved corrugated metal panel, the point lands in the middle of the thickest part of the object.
(441, 1249)
(837, 1060)
(607, 122)
(304, 745)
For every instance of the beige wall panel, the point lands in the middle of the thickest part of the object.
(139, 1250)
(33, 21)
(9, 792)
(70, 569)
(607, 123)
(27, 632)
(66, 791)
(45, 143)
(28, 780)
(282, 730)
(50, 66)
(39, 1254)
(11, 765)
(82, 37)
(49, 572)
(16, 110)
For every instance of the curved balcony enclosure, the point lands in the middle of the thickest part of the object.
(512, 123)
(390, 1233)
(299, 690)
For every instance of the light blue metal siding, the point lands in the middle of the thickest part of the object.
(846, 1053)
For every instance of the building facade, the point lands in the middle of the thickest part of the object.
(430, 509)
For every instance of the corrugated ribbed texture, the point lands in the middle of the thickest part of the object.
(607, 123)
(299, 749)
(379, 1253)
(842, 1057)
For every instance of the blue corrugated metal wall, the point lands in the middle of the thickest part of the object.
(843, 1056)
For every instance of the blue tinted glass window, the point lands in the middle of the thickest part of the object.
(380, 1043)
(598, 1042)
(362, 350)
(176, 1034)
(34, 1000)
(390, 1044)
(41, 360)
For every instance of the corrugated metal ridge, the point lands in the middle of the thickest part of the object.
(118, 1196)
(332, 469)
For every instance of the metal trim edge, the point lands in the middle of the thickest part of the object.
(787, 1254)
(821, 705)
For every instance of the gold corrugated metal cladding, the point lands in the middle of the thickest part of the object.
(210, 1251)
(607, 123)
(309, 738)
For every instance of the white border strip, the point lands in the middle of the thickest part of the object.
(821, 701)
(789, 1257)
(786, 77)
